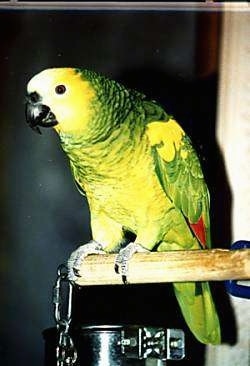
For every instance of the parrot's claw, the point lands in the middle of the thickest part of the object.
(76, 258)
(123, 257)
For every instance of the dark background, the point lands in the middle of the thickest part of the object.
(170, 56)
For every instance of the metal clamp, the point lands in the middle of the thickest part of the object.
(158, 343)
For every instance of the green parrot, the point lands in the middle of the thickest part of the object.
(139, 172)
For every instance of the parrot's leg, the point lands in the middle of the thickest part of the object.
(123, 257)
(76, 258)
(107, 237)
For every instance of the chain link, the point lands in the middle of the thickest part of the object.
(66, 353)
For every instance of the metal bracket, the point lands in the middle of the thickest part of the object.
(158, 343)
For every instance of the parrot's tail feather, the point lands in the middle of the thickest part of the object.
(199, 311)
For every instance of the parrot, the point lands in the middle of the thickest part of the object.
(139, 172)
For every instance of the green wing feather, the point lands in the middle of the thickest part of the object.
(179, 172)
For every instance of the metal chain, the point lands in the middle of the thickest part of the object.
(66, 353)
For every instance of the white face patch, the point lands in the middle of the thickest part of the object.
(41, 82)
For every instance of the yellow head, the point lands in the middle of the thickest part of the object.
(67, 96)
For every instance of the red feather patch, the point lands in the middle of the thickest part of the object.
(199, 231)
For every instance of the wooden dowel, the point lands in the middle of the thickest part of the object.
(171, 266)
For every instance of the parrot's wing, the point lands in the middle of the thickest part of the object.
(179, 172)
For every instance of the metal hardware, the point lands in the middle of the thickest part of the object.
(175, 344)
(157, 343)
(66, 353)
(131, 342)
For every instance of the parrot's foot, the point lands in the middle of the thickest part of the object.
(76, 258)
(123, 257)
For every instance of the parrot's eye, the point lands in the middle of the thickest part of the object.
(60, 89)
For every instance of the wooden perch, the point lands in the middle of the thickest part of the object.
(172, 266)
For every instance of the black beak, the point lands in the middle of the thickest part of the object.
(38, 114)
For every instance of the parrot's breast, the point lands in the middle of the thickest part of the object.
(121, 182)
